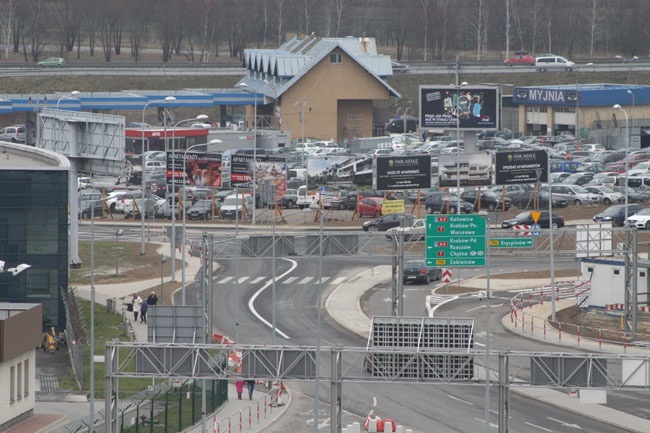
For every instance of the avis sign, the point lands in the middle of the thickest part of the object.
(455, 241)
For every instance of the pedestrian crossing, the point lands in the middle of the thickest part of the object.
(287, 280)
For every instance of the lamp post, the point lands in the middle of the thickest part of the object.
(144, 171)
(163, 259)
(488, 294)
(631, 93)
(627, 151)
(118, 233)
(73, 93)
(173, 195)
(458, 86)
(577, 117)
(215, 141)
(406, 112)
(245, 88)
(628, 61)
(14, 271)
(302, 133)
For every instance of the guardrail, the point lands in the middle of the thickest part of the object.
(526, 322)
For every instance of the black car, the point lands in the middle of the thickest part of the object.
(526, 218)
(525, 200)
(202, 210)
(486, 200)
(616, 214)
(441, 202)
(388, 221)
(632, 196)
(418, 271)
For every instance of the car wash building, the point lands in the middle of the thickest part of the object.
(588, 109)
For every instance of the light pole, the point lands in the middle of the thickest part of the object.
(173, 195)
(629, 61)
(627, 151)
(458, 86)
(144, 171)
(163, 259)
(118, 233)
(245, 88)
(488, 294)
(631, 93)
(302, 133)
(577, 117)
(14, 271)
(184, 175)
(73, 93)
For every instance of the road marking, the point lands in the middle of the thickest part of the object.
(536, 426)
(483, 421)
(289, 280)
(257, 280)
(338, 281)
(305, 280)
(460, 400)
(565, 424)
(225, 280)
(323, 280)
(242, 280)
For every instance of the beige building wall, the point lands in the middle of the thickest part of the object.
(336, 98)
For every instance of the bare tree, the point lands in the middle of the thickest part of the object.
(281, 16)
(7, 19)
(507, 28)
(426, 4)
(338, 10)
(36, 33)
(308, 10)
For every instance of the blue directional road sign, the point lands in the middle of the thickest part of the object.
(535, 230)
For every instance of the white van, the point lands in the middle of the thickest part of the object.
(231, 208)
(551, 61)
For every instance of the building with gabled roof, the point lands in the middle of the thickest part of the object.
(318, 87)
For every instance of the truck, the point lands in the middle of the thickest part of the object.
(306, 198)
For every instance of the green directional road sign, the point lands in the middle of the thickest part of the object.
(511, 243)
(455, 241)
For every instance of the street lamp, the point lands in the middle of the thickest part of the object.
(144, 171)
(302, 133)
(118, 233)
(13, 271)
(488, 295)
(627, 151)
(163, 259)
(73, 93)
(629, 61)
(173, 206)
(577, 117)
(245, 88)
(184, 175)
(458, 86)
(630, 92)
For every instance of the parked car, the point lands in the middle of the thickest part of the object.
(632, 196)
(203, 210)
(52, 61)
(400, 67)
(416, 232)
(418, 271)
(232, 206)
(441, 202)
(370, 206)
(640, 220)
(386, 222)
(605, 194)
(526, 218)
(134, 208)
(91, 203)
(579, 178)
(616, 214)
(520, 58)
(552, 62)
(487, 200)
(334, 201)
(14, 133)
(119, 205)
(574, 194)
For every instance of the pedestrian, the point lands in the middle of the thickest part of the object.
(143, 313)
(152, 299)
(136, 303)
(239, 386)
(250, 384)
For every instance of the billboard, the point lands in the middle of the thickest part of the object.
(241, 171)
(473, 169)
(466, 107)
(522, 166)
(200, 168)
(403, 172)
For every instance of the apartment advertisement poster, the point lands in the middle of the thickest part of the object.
(524, 166)
(265, 167)
(468, 169)
(200, 168)
(403, 172)
(465, 108)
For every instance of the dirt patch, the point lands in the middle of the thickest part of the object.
(596, 325)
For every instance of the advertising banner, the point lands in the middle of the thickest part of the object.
(466, 107)
(523, 166)
(403, 172)
(201, 169)
(474, 169)
(241, 171)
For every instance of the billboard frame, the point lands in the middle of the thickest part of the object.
(480, 107)
(400, 171)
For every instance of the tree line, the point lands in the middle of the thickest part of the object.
(412, 30)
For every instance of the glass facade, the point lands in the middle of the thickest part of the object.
(34, 230)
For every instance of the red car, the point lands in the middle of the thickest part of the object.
(520, 58)
(370, 206)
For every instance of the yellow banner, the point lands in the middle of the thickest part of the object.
(392, 206)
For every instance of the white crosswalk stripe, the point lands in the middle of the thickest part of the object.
(242, 280)
(305, 280)
(257, 280)
(323, 280)
(290, 280)
(225, 280)
(338, 280)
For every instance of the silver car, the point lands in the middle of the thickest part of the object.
(14, 133)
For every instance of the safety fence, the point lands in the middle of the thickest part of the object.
(528, 322)
(251, 416)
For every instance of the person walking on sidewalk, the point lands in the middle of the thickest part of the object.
(136, 303)
(143, 312)
(239, 386)
(250, 384)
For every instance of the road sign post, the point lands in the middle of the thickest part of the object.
(455, 241)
